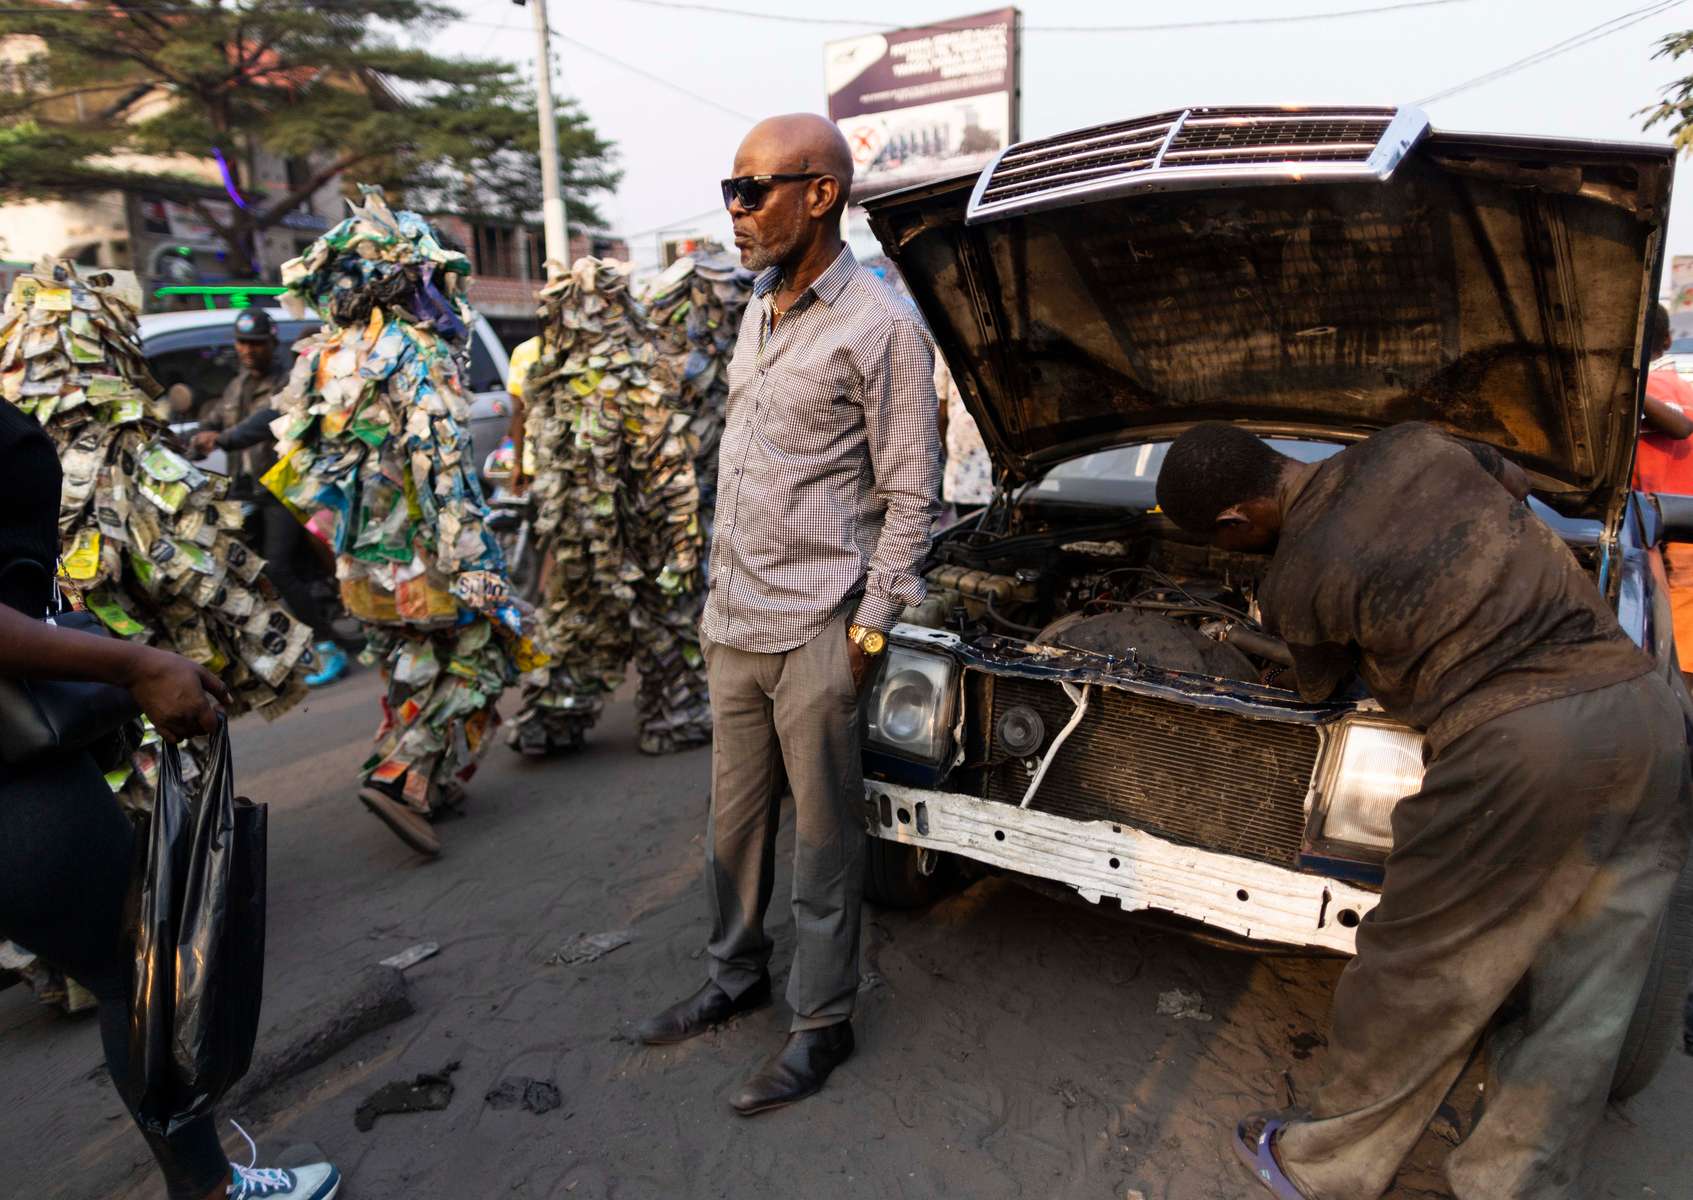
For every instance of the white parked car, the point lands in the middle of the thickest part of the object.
(1086, 701)
(196, 348)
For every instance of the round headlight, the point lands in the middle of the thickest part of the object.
(1020, 730)
(908, 705)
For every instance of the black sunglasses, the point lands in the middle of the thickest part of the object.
(751, 190)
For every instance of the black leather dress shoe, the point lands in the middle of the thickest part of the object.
(797, 1070)
(709, 1006)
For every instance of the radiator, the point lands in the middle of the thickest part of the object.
(1194, 775)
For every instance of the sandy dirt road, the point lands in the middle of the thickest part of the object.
(1009, 1044)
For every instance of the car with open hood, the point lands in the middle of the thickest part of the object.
(1086, 699)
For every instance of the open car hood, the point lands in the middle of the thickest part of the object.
(1495, 286)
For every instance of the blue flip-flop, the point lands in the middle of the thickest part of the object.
(1259, 1155)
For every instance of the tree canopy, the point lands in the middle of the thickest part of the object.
(1676, 108)
(329, 82)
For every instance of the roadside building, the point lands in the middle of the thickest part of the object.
(509, 263)
(158, 218)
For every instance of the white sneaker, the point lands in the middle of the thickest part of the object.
(320, 1181)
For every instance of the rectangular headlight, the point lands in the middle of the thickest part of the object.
(910, 710)
(1368, 768)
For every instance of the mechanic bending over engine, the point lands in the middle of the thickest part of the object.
(239, 424)
(1551, 822)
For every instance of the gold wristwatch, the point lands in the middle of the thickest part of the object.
(871, 641)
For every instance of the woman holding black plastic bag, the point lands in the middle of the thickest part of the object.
(66, 849)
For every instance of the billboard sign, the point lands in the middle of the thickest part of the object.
(927, 102)
(1681, 283)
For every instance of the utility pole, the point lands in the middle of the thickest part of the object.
(552, 189)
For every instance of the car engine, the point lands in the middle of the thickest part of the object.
(1139, 591)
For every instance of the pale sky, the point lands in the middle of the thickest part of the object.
(673, 149)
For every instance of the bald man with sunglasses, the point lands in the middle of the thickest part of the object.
(827, 486)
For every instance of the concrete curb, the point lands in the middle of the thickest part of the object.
(371, 1000)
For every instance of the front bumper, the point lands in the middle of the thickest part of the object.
(1252, 899)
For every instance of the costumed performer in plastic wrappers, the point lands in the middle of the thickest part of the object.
(148, 543)
(617, 522)
(697, 304)
(373, 429)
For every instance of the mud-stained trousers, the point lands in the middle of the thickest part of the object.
(791, 716)
(1541, 850)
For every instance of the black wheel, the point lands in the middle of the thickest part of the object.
(894, 875)
(1659, 1014)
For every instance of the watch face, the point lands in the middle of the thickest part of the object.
(874, 641)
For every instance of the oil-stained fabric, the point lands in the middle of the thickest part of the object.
(1542, 848)
(1405, 557)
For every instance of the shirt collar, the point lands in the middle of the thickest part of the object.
(828, 285)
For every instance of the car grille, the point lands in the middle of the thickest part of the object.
(1193, 147)
(1194, 775)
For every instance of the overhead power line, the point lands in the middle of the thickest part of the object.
(1575, 41)
(1165, 26)
(655, 78)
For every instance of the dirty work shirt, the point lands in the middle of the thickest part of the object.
(829, 467)
(1404, 558)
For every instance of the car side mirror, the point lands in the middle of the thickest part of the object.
(1675, 517)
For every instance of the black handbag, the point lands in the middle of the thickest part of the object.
(39, 717)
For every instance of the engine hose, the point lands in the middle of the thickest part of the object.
(1261, 644)
(993, 614)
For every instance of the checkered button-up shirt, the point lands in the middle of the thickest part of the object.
(829, 465)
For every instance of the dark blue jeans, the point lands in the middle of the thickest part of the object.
(65, 861)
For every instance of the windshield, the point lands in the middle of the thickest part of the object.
(1127, 477)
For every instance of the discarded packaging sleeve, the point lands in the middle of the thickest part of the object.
(149, 544)
(374, 431)
(617, 520)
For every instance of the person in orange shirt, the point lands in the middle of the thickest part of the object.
(1663, 462)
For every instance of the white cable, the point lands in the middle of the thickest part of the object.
(1575, 41)
(1078, 697)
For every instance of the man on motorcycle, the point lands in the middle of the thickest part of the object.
(239, 424)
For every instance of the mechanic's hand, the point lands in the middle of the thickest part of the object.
(203, 443)
(859, 663)
(178, 695)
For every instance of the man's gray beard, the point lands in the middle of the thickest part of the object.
(757, 258)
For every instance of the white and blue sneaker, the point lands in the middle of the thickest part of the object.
(320, 1181)
(332, 664)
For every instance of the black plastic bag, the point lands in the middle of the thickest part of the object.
(199, 944)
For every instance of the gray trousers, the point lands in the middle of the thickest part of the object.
(1541, 850)
(791, 716)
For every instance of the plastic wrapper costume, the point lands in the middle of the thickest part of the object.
(696, 305)
(373, 431)
(149, 543)
(617, 520)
